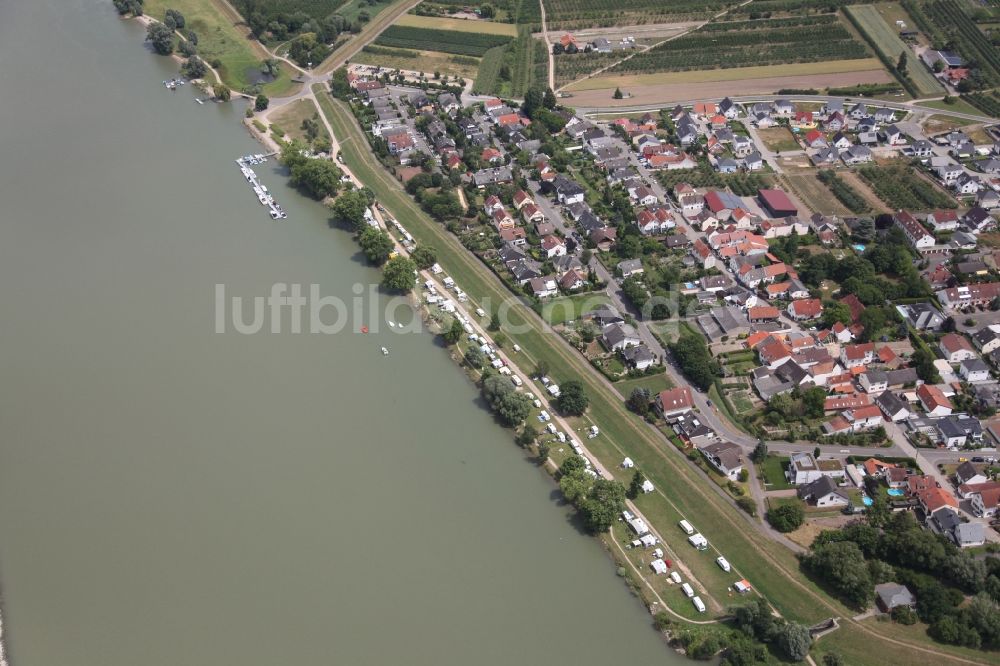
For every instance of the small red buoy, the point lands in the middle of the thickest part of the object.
(364, 329)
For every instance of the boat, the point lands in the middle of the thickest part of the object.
(199, 100)
(385, 352)
(275, 214)
(392, 324)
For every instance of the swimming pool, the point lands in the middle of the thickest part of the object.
(859, 247)
(895, 492)
(867, 501)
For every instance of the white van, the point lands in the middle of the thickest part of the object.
(561, 436)
(674, 576)
(687, 589)
(551, 428)
(686, 526)
(723, 563)
(481, 312)
(699, 604)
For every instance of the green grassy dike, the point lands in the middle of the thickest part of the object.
(681, 489)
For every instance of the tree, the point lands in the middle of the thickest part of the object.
(834, 311)
(901, 63)
(222, 92)
(397, 275)
(759, 453)
(635, 486)
(794, 640)
(376, 244)
(842, 565)
(743, 652)
(474, 358)
(350, 208)
(618, 94)
(527, 436)
(787, 517)
(572, 398)
(487, 11)
(549, 99)
(176, 17)
(832, 659)
(695, 360)
(874, 319)
(319, 178)
(133, 7)
(494, 322)
(813, 400)
(604, 503)
(754, 619)
(261, 102)
(638, 401)
(532, 101)
(194, 68)
(161, 37)
(453, 333)
(424, 256)
(923, 363)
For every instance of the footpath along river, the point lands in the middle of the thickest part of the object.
(172, 495)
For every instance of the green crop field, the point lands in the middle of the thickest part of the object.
(446, 41)
(757, 43)
(886, 41)
(899, 187)
(565, 14)
(948, 22)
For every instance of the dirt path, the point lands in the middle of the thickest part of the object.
(548, 48)
(861, 187)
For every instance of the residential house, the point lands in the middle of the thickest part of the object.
(974, 370)
(984, 502)
(981, 293)
(805, 309)
(893, 407)
(933, 400)
(967, 473)
(852, 356)
(543, 287)
(956, 348)
(987, 338)
(913, 230)
(630, 267)
(568, 191)
(823, 492)
(922, 316)
(638, 357)
(942, 220)
(874, 381)
(725, 457)
(619, 336)
(674, 401)
(553, 246)
(803, 468)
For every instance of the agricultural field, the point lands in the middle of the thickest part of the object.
(420, 61)
(947, 22)
(843, 192)
(316, 9)
(817, 196)
(746, 43)
(572, 14)
(457, 25)
(899, 187)
(885, 40)
(446, 41)
(988, 102)
(219, 39)
(573, 66)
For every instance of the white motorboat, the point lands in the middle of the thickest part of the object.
(385, 352)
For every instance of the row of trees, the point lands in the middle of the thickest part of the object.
(317, 178)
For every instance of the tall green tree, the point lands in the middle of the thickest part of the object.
(350, 208)
(376, 244)
(161, 37)
(572, 398)
(397, 275)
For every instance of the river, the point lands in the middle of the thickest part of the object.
(172, 495)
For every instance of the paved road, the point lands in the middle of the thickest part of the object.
(899, 106)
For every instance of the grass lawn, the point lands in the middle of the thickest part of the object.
(773, 470)
(681, 490)
(778, 139)
(655, 384)
(290, 117)
(427, 62)
(741, 403)
(730, 74)
(571, 308)
(458, 25)
(958, 106)
(219, 38)
(352, 8)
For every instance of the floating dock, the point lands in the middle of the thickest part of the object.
(263, 196)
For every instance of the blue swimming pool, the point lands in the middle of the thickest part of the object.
(866, 500)
(859, 247)
(895, 492)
